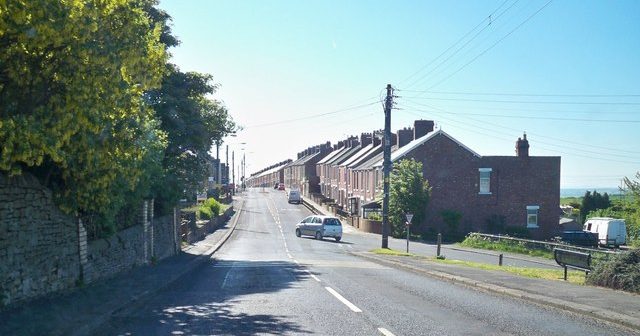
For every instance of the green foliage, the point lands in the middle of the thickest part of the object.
(408, 193)
(591, 202)
(72, 78)
(209, 209)
(89, 105)
(620, 272)
(505, 245)
(374, 216)
(193, 124)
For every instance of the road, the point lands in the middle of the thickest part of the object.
(265, 280)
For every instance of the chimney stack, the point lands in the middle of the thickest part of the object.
(404, 136)
(366, 139)
(422, 128)
(522, 147)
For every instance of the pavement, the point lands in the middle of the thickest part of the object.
(621, 308)
(80, 311)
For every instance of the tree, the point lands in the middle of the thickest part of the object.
(72, 76)
(591, 202)
(632, 208)
(193, 123)
(409, 192)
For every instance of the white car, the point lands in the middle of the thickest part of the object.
(320, 227)
(294, 197)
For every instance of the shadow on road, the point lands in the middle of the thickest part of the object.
(206, 302)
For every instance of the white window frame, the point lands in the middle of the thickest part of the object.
(535, 208)
(487, 190)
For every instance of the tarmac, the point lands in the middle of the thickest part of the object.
(80, 311)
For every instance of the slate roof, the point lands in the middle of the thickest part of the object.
(402, 151)
(331, 155)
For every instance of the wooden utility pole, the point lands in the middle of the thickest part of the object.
(386, 165)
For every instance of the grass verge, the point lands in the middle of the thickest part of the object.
(478, 242)
(576, 277)
(386, 251)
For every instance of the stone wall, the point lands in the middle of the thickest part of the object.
(38, 243)
(43, 251)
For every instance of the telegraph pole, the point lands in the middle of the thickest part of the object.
(386, 165)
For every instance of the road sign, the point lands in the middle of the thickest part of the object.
(409, 217)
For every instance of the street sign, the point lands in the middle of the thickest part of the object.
(409, 217)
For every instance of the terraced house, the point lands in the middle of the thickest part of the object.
(519, 192)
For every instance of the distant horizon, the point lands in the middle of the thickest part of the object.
(579, 192)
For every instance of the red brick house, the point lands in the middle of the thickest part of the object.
(522, 189)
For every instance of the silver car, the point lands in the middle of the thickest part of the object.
(320, 227)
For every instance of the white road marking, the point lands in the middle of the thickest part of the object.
(343, 300)
(226, 277)
(385, 332)
(289, 255)
(313, 276)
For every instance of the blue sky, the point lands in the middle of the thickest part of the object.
(566, 72)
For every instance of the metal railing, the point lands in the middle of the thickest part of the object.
(544, 244)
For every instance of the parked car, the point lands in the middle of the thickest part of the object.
(610, 231)
(580, 238)
(281, 186)
(294, 197)
(320, 227)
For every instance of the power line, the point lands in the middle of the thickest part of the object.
(523, 94)
(493, 45)
(493, 135)
(538, 134)
(539, 118)
(492, 108)
(491, 20)
(524, 101)
(551, 144)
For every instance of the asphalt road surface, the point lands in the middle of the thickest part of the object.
(265, 280)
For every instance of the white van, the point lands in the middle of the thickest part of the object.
(611, 231)
(294, 196)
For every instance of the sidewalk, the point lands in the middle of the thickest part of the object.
(80, 311)
(618, 307)
(605, 304)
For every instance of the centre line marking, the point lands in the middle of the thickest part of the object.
(385, 332)
(343, 300)
(313, 276)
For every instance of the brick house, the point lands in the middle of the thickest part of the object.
(522, 189)
(301, 173)
(269, 176)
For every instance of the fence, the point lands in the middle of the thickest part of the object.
(545, 245)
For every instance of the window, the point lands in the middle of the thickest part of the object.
(532, 216)
(485, 181)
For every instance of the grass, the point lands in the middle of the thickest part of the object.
(576, 277)
(386, 251)
(505, 246)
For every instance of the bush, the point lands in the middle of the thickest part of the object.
(621, 272)
(209, 209)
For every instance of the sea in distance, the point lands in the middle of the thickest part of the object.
(579, 192)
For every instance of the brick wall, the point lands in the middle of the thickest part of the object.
(515, 183)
